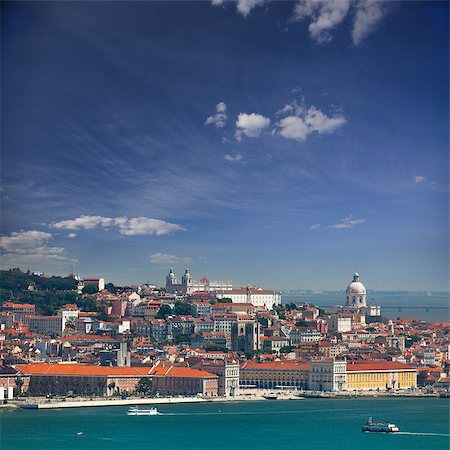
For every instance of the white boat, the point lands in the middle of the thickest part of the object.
(379, 427)
(136, 411)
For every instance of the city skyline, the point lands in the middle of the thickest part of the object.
(280, 144)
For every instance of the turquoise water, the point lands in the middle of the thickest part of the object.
(292, 424)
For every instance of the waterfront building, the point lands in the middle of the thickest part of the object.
(373, 375)
(277, 374)
(226, 370)
(184, 381)
(327, 375)
(78, 379)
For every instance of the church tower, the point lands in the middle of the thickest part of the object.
(186, 281)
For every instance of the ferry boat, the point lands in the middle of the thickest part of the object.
(379, 427)
(136, 411)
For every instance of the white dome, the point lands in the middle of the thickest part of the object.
(356, 287)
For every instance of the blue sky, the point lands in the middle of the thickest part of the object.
(281, 144)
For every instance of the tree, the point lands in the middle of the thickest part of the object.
(111, 288)
(111, 387)
(182, 309)
(164, 311)
(18, 388)
(90, 289)
(224, 300)
(145, 386)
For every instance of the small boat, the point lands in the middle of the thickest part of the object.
(79, 433)
(270, 397)
(136, 411)
(379, 427)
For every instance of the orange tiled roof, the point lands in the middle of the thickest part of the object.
(80, 370)
(276, 365)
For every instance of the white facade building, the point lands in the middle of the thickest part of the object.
(260, 298)
(339, 324)
(188, 286)
(327, 375)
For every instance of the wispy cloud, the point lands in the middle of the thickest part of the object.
(219, 119)
(231, 158)
(251, 125)
(316, 226)
(367, 16)
(72, 235)
(419, 178)
(127, 227)
(325, 15)
(347, 222)
(166, 260)
(243, 6)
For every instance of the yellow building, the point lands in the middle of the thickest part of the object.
(279, 374)
(366, 375)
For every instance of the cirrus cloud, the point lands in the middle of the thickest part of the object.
(347, 222)
(166, 260)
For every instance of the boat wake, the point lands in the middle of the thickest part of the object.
(422, 434)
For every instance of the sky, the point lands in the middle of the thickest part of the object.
(278, 144)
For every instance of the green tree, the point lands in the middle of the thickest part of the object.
(164, 311)
(145, 386)
(224, 300)
(182, 309)
(90, 289)
(111, 288)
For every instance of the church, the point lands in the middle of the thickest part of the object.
(356, 302)
(188, 286)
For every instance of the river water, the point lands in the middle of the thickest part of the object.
(289, 424)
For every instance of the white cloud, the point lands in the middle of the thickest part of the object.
(304, 122)
(72, 235)
(251, 124)
(232, 158)
(30, 248)
(144, 226)
(127, 227)
(316, 226)
(419, 179)
(243, 6)
(347, 222)
(293, 127)
(219, 119)
(86, 222)
(166, 260)
(367, 16)
(325, 15)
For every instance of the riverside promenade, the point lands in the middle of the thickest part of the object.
(245, 395)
